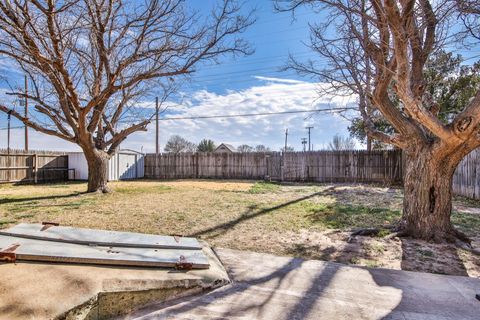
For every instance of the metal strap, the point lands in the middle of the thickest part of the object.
(8, 254)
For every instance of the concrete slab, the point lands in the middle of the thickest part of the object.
(271, 287)
(68, 291)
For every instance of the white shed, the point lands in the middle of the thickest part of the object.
(125, 164)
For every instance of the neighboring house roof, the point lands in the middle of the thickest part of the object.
(228, 146)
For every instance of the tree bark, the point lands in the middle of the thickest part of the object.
(97, 161)
(427, 203)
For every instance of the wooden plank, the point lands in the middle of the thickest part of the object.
(21, 166)
(50, 251)
(99, 237)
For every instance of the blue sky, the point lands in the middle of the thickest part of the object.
(249, 84)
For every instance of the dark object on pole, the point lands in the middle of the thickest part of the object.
(477, 296)
(304, 143)
(9, 116)
(309, 144)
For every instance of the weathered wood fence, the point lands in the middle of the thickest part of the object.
(320, 166)
(466, 180)
(32, 166)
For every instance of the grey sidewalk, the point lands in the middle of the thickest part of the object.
(272, 287)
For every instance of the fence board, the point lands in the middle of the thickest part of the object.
(32, 166)
(320, 166)
(466, 180)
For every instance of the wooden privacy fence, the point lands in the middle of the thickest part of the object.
(320, 166)
(466, 180)
(33, 166)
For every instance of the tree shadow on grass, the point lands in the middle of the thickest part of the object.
(251, 214)
(51, 197)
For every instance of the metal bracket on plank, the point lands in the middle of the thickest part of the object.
(47, 225)
(177, 237)
(183, 264)
(8, 254)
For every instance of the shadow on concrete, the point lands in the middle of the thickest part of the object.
(302, 309)
(269, 287)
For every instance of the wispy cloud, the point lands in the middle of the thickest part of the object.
(278, 80)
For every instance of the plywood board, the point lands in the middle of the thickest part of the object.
(51, 251)
(99, 237)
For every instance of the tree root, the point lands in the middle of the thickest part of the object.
(372, 232)
(462, 237)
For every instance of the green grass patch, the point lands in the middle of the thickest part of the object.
(466, 222)
(264, 187)
(425, 252)
(337, 216)
(5, 222)
(383, 233)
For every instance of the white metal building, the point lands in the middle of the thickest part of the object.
(125, 164)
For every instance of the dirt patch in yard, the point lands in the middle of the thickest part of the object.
(306, 220)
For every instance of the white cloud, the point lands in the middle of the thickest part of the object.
(270, 95)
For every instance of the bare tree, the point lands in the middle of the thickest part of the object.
(341, 143)
(469, 11)
(378, 50)
(91, 61)
(177, 144)
(261, 148)
(244, 148)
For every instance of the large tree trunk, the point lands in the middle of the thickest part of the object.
(97, 161)
(427, 202)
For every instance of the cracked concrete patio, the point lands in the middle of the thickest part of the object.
(272, 287)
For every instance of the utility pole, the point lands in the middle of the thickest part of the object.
(157, 145)
(26, 112)
(284, 159)
(309, 144)
(304, 143)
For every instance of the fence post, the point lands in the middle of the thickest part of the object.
(8, 165)
(282, 165)
(196, 165)
(35, 168)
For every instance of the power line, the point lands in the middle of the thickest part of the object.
(238, 115)
(270, 70)
(17, 127)
(258, 114)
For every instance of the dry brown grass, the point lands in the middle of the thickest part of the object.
(310, 221)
